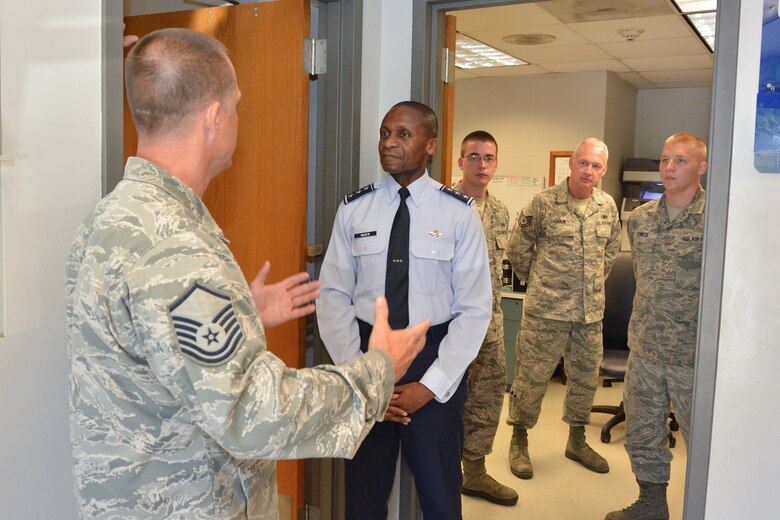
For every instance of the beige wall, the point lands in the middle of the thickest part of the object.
(619, 123)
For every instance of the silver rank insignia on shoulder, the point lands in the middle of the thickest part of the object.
(435, 233)
(206, 325)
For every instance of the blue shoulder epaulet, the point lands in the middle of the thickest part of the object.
(368, 188)
(460, 196)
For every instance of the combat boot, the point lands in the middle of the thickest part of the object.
(477, 483)
(651, 504)
(519, 461)
(578, 450)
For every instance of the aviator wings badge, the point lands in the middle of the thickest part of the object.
(435, 233)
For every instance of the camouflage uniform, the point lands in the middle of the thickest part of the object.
(487, 373)
(662, 332)
(177, 409)
(565, 254)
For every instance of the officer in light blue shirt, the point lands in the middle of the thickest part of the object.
(448, 282)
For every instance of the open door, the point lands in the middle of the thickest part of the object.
(260, 202)
(448, 101)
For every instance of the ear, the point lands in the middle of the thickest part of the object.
(432, 145)
(460, 162)
(212, 121)
(702, 168)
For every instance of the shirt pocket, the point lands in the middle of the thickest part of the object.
(687, 274)
(603, 232)
(432, 265)
(368, 253)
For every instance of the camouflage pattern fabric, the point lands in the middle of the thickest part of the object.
(540, 345)
(650, 387)
(667, 264)
(565, 254)
(487, 373)
(662, 331)
(177, 409)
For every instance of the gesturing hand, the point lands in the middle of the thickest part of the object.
(402, 345)
(287, 300)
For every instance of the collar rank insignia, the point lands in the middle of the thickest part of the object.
(435, 233)
(206, 325)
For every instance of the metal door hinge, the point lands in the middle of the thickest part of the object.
(448, 65)
(309, 513)
(315, 54)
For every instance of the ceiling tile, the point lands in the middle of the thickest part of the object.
(492, 72)
(669, 63)
(541, 54)
(514, 16)
(635, 79)
(587, 66)
(640, 48)
(572, 11)
(654, 27)
(680, 77)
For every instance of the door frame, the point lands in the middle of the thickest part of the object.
(428, 37)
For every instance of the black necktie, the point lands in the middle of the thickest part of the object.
(397, 278)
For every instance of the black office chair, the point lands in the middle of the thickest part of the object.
(619, 291)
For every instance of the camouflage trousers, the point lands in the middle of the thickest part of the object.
(651, 386)
(484, 398)
(540, 345)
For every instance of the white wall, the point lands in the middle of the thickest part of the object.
(663, 112)
(744, 460)
(386, 74)
(50, 92)
(619, 123)
(530, 116)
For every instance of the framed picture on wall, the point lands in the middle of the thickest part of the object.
(559, 167)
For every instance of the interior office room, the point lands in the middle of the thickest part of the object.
(56, 147)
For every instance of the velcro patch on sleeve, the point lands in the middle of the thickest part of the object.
(526, 221)
(206, 325)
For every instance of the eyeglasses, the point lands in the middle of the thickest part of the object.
(475, 158)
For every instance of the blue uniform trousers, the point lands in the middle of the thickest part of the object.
(432, 446)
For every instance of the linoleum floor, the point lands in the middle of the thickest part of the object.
(562, 489)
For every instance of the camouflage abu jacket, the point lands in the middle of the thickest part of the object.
(667, 263)
(495, 223)
(177, 409)
(564, 256)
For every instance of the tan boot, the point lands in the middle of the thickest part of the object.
(477, 483)
(578, 450)
(519, 461)
(651, 504)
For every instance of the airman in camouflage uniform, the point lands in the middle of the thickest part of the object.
(564, 244)
(177, 408)
(666, 238)
(487, 373)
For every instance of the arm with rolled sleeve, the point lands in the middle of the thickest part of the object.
(472, 308)
(522, 242)
(252, 404)
(336, 318)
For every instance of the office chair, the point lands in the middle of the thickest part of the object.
(619, 294)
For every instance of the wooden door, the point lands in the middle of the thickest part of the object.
(448, 104)
(260, 202)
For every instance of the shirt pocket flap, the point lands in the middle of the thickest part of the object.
(433, 249)
(603, 230)
(501, 241)
(367, 245)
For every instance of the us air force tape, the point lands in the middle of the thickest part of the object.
(206, 325)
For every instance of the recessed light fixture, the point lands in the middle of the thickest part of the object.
(701, 15)
(472, 54)
(529, 39)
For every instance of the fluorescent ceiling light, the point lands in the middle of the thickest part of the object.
(471, 54)
(700, 14)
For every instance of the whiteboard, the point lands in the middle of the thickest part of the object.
(515, 192)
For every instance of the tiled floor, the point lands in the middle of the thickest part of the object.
(562, 489)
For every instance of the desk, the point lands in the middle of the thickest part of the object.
(512, 306)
